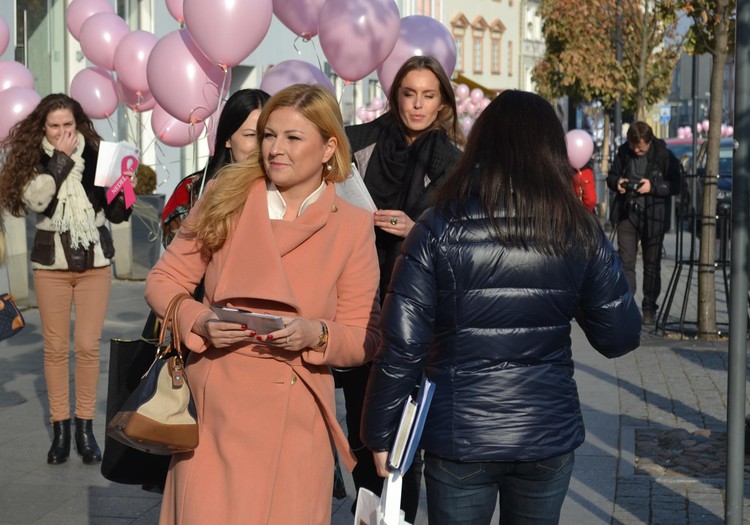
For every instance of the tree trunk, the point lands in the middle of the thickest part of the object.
(606, 141)
(706, 269)
(640, 102)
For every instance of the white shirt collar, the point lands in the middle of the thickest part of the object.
(277, 206)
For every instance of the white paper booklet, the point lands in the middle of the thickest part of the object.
(354, 191)
(109, 163)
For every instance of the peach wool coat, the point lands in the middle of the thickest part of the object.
(267, 418)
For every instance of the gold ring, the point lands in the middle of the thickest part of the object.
(394, 221)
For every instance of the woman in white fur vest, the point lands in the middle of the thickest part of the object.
(50, 161)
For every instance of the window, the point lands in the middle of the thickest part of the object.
(459, 53)
(495, 55)
(458, 27)
(477, 57)
(510, 59)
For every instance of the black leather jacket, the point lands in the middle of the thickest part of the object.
(663, 170)
(490, 325)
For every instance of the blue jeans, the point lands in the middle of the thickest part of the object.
(531, 492)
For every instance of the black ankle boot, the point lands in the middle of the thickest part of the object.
(86, 442)
(60, 449)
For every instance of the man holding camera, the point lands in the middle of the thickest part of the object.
(644, 176)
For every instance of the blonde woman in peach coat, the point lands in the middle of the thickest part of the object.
(271, 236)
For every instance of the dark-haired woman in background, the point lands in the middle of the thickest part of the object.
(236, 140)
(49, 169)
(403, 156)
(481, 301)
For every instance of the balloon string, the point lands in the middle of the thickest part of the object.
(111, 127)
(161, 165)
(216, 115)
(317, 55)
(343, 91)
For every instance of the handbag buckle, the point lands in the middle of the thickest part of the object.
(174, 364)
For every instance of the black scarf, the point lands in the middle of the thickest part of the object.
(396, 171)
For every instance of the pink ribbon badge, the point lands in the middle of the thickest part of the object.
(129, 165)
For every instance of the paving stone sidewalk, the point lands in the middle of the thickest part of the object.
(644, 413)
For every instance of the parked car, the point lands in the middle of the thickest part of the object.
(683, 150)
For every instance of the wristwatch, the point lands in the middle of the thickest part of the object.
(323, 335)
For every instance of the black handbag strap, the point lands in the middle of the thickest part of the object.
(170, 324)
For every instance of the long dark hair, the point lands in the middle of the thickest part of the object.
(447, 118)
(24, 147)
(234, 114)
(516, 161)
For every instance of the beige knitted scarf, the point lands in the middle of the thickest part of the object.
(74, 212)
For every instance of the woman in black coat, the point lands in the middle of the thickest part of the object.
(481, 301)
(403, 156)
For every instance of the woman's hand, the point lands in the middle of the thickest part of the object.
(381, 463)
(221, 334)
(394, 222)
(298, 334)
(67, 142)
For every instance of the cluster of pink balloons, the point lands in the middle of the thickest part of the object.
(580, 147)
(686, 132)
(361, 36)
(469, 104)
(18, 96)
(373, 110)
(186, 73)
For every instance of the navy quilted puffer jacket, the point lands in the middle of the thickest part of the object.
(490, 325)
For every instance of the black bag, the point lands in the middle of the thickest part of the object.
(11, 320)
(160, 416)
(128, 361)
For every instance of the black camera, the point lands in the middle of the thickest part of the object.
(631, 188)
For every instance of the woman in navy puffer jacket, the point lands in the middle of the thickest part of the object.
(481, 300)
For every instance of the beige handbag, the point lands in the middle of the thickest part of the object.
(160, 416)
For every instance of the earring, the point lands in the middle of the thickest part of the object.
(328, 167)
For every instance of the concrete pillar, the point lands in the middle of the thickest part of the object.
(17, 258)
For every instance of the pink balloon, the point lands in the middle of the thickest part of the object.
(466, 124)
(173, 132)
(183, 81)
(175, 9)
(131, 59)
(227, 31)
(289, 72)
(699, 127)
(15, 105)
(476, 95)
(15, 74)
(301, 16)
(730, 130)
(357, 35)
(484, 103)
(101, 33)
(681, 134)
(80, 10)
(470, 108)
(96, 91)
(420, 36)
(580, 147)
(4, 35)
(377, 103)
(361, 113)
(462, 92)
(138, 101)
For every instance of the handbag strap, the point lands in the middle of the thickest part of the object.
(170, 324)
